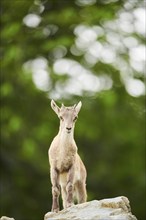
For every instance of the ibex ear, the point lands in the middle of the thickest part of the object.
(78, 107)
(55, 107)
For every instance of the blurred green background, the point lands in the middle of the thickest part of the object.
(72, 50)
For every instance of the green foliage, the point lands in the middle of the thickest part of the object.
(111, 125)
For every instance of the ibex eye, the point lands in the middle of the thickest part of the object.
(61, 118)
(75, 118)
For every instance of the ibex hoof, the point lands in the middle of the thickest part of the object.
(55, 210)
(69, 205)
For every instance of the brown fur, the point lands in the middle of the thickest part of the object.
(67, 170)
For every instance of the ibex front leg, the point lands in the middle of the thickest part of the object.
(55, 190)
(69, 187)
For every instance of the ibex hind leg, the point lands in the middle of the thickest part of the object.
(81, 192)
(64, 196)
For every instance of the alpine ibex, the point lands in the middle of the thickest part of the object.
(67, 170)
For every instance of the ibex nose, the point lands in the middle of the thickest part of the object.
(68, 128)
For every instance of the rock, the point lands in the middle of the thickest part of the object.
(107, 209)
(6, 218)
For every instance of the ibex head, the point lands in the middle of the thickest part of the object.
(67, 115)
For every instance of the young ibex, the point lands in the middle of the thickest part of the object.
(67, 170)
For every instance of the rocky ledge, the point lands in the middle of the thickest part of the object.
(107, 209)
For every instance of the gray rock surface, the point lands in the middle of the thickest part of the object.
(6, 218)
(107, 209)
